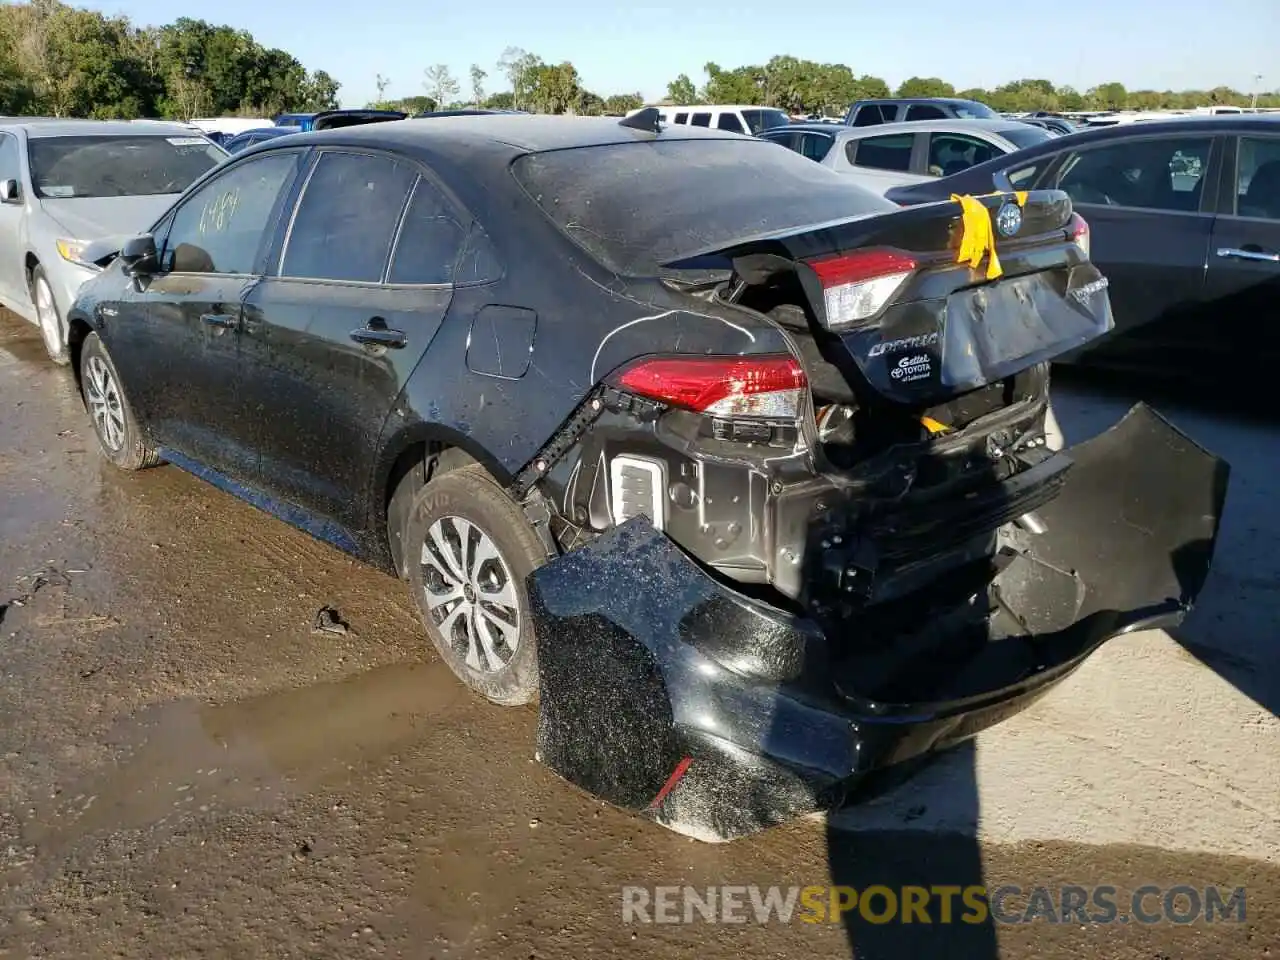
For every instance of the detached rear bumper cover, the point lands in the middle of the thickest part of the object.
(668, 693)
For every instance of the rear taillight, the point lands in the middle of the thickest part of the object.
(856, 286)
(1078, 231)
(768, 386)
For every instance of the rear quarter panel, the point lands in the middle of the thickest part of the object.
(588, 323)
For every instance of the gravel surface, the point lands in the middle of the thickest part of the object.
(188, 769)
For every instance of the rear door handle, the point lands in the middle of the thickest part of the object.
(1239, 254)
(378, 334)
(219, 319)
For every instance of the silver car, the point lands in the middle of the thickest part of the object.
(64, 183)
(893, 154)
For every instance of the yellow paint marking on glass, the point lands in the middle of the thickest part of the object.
(979, 237)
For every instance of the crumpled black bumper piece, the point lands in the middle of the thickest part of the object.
(666, 692)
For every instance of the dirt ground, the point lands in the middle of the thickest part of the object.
(187, 769)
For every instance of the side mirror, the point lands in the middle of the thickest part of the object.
(9, 191)
(139, 255)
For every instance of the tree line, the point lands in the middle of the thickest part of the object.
(806, 87)
(535, 86)
(59, 60)
(801, 87)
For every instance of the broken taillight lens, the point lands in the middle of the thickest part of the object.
(766, 386)
(1078, 231)
(857, 286)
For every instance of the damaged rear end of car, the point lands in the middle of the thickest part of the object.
(777, 572)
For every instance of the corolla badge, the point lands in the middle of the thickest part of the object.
(1009, 219)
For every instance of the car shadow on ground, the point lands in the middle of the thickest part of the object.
(884, 862)
(874, 848)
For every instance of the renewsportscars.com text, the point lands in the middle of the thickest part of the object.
(974, 904)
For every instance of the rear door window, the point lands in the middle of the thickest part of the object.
(1153, 173)
(889, 152)
(682, 118)
(730, 121)
(702, 120)
(346, 220)
(1258, 178)
(926, 111)
(429, 242)
(815, 146)
(871, 114)
(953, 152)
(784, 138)
(768, 119)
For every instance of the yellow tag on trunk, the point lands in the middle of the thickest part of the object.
(978, 238)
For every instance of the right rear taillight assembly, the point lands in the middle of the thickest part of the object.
(858, 285)
(771, 386)
(1078, 231)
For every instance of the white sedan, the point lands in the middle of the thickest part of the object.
(894, 154)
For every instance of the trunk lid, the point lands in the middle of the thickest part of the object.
(893, 307)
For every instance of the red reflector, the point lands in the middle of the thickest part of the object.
(1078, 226)
(700, 383)
(860, 266)
(676, 776)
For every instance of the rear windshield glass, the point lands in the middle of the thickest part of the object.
(759, 120)
(118, 166)
(971, 110)
(637, 206)
(1026, 135)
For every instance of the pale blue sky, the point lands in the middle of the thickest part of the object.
(630, 46)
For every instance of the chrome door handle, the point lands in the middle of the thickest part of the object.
(1248, 254)
(379, 337)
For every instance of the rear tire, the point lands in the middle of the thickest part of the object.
(468, 549)
(119, 436)
(52, 328)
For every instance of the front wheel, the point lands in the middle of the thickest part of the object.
(119, 437)
(50, 322)
(468, 551)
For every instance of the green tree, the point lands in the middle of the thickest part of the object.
(622, 103)
(439, 83)
(589, 104)
(320, 92)
(556, 88)
(477, 85)
(521, 70)
(925, 87)
(870, 88)
(740, 85)
(682, 91)
(1108, 96)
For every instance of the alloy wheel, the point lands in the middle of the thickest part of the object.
(471, 595)
(104, 403)
(47, 315)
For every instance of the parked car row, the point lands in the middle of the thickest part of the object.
(728, 462)
(895, 154)
(1185, 225)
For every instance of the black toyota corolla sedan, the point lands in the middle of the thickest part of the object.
(736, 468)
